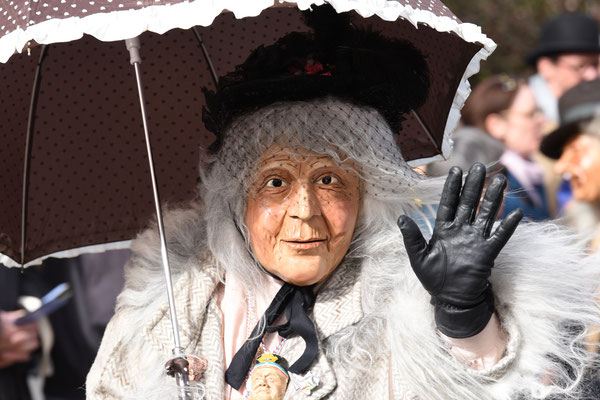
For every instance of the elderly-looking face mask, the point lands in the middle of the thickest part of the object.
(301, 214)
(581, 160)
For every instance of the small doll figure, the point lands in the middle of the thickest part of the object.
(269, 378)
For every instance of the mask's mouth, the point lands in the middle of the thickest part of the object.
(305, 244)
(311, 240)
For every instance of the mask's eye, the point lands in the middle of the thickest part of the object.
(327, 180)
(276, 183)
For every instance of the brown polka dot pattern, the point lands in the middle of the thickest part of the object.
(89, 180)
(15, 14)
(447, 56)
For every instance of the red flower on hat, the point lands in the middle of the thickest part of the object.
(313, 68)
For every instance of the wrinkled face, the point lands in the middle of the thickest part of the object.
(571, 69)
(524, 123)
(268, 383)
(301, 214)
(581, 160)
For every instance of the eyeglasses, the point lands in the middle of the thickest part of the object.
(536, 112)
(578, 67)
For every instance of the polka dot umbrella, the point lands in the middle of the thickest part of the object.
(73, 157)
(87, 175)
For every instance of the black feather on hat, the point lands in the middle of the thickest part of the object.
(337, 59)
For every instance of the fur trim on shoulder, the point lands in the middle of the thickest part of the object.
(545, 286)
(144, 273)
(548, 282)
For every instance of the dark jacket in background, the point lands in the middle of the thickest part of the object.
(96, 280)
(470, 145)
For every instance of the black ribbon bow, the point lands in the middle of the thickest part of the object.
(296, 301)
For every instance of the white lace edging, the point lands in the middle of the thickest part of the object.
(97, 248)
(119, 25)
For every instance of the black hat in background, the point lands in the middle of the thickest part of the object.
(567, 33)
(577, 105)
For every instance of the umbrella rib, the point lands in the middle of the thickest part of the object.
(28, 140)
(213, 72)
(429, 135)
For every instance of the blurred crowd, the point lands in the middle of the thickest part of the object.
(542, 131)
(50, 357)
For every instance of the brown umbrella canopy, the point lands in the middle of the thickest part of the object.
(88, 179)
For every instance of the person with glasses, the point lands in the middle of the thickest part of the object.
(502, 127)
(518, 123)
(567, 54)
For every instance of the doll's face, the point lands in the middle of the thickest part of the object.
(581, 160)
(301, 214)
(268, 383)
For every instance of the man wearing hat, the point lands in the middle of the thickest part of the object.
(576, 146)
(567, 54)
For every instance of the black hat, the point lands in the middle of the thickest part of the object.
(578, 104)
(336, 59)
(567, 33)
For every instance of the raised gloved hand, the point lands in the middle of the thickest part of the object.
(455, 265)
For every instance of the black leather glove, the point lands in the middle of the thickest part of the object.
(456, 264)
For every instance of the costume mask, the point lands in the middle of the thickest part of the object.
(301, 214)
(581, 160)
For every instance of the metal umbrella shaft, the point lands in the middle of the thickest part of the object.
(133, 46)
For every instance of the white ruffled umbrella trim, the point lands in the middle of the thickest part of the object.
(119, 25)
(70, 253)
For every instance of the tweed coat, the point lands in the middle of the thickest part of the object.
(375, 327)
(130, 360)
(338, 305)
